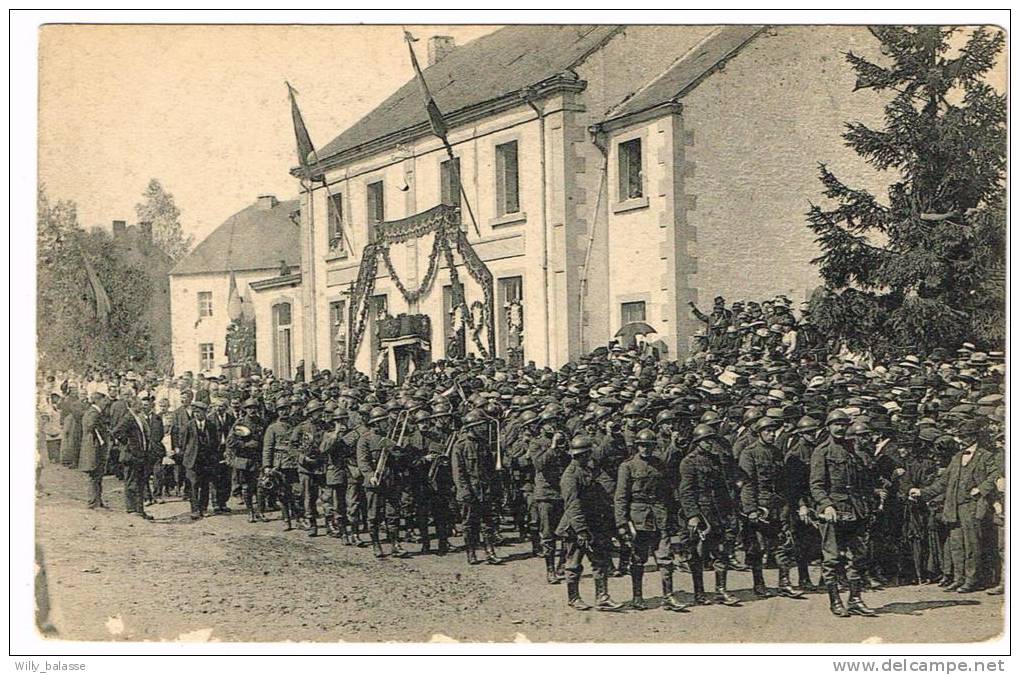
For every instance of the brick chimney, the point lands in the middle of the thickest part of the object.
(119, 229)
(439, 47)
(145, 227)
(266, 202)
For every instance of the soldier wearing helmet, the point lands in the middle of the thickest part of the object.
(474, 474)
(377, 454)
(438, 485)
(306, 440)
(609, 451)
(586, 526)
(643, 505)
(338, 449)
(763, 504)
(277, 456)
(548, 457)
(841, 490)
(707, 506)
(244, 456)
(522, 480)
(415, 505)
(744, 436)
(797, 470)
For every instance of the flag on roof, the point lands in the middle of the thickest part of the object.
(234, 308)
(304, 141)
(435, 117)
(101, 299)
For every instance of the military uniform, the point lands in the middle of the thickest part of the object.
(474, 474)
(762, 503)
(548, 461)
(277, 454)
(839, 480)
(244, 456)
(307, 440)
(383, 497)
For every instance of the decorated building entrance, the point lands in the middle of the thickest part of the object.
(405, 342)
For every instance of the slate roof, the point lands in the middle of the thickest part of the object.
(687, 70)
(485, 69)
(254, 238)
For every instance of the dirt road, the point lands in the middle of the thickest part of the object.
(116, 577)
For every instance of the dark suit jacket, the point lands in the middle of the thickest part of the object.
(133, 437)
(156, 433)
(180, 422)
(957, 481)
(201, 448)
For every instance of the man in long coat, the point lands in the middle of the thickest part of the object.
(95, 447)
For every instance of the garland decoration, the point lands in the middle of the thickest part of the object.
(444, 222)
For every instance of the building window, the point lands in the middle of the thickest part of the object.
(204, 304)
(335, 217)
(510, 296)
(507, 199)
(206, 357)
(631, 178)
(632, 311)
(282, 339)
(376, 207)
(338, 332)
(449, 185)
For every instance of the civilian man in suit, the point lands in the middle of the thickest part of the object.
(224, 420)
(157, 431)
(200, 444)
(95, 447)
(181, 418)
(968, 487)
(131, 433)
(71, 409)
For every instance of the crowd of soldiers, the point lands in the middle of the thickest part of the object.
(767, 441)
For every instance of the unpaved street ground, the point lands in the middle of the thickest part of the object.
(116, 577)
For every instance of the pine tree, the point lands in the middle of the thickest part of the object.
(925, 268)
(158, 207)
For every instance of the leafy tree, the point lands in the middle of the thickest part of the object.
(68, 333)
(926, 268)
(158, 207)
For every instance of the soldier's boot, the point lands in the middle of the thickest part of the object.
(603, 602)
(285, 508)
(804, 582)
(561, 561)
(490, 551)
(624, 564)
(637, 583)
(836, 602)
(251, 513)
(348, 536)
(722, 596)
(855, 605)
(759, 588)
(670, 601)
(469, 548)
(786, 589)
(444, 546)
(398, 550)
(574, 596)
(313, 527)
(376, 546)
(536, 544)
(874, 582)
(550, 570)
(841, 581)
(698, 580)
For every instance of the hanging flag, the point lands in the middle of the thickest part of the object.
(305, 149)
(102, 300)
(435, 117)
(304, 141)
(234, 308)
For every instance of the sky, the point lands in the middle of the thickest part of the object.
(203, 108)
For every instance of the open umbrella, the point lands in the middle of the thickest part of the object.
(628, 331)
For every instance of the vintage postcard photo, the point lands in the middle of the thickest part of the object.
(518, 333)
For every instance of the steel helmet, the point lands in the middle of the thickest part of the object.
(646, 437)
(528, 416)
(377, 414)
(441, 410)
(859, 428)
(665, 416)
(580, 444)
(837, 417)
(631, 410)
(474, 418)
(710, 417)
(703, 431)
(765, 423)
(492, 410)
(313, 406)
(421, 416)
(751, 414)
(807, 423)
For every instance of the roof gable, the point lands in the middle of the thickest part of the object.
(485, 69)
(254, 238)
(687, 71)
